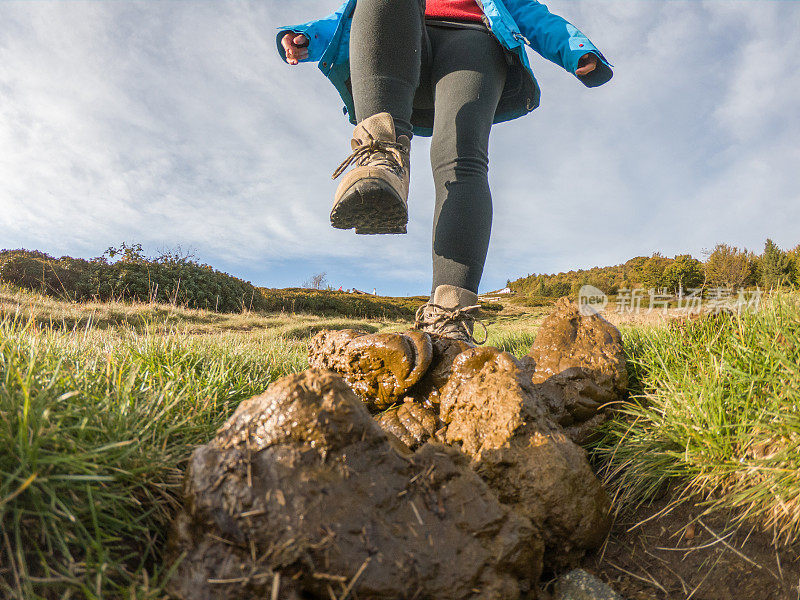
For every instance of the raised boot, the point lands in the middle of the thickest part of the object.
(373, 197)
(450, 314)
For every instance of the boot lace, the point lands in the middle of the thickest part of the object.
(438, 318)
(374, 152)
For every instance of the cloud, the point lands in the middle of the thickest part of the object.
(176, 123)
(678, 152)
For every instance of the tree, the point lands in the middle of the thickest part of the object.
(127, 253)
(318, 281)
(727, 266)
(775, 266)
(683, 272)
(541, 290)
(652, 271)
(794, 256)
(754, 277)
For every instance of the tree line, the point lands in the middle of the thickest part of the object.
(725, 266)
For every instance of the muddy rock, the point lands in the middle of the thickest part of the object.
(302, 494)
(569, 340)
(379, 367)
(579, 363)
(501, 421)
(411, 422)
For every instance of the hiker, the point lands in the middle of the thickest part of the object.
(446, 68)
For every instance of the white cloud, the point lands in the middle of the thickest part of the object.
(176, 123)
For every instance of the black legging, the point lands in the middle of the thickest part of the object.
(396, 63)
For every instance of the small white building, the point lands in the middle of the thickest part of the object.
(495, 296)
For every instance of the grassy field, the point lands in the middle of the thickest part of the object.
(716, 409)
(101, 404)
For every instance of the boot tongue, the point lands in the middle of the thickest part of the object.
(378, 127)
(452, 297)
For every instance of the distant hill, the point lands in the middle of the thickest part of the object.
(346, 304)
(725, 266)
(126, 274)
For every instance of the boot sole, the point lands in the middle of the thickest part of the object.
(370, 206)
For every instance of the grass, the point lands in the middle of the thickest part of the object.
(101, 405)
(94, 431)
(715, 415)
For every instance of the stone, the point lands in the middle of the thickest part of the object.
(580, 585)
(501, 421)
(302, 495)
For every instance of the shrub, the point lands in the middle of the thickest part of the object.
(36, 271)
(344, 304)
(168, 278)
(534, 300)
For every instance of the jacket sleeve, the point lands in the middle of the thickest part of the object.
(319, 34)
(557, 39)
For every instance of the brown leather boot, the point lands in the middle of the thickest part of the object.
(373, 197)
(450, 314)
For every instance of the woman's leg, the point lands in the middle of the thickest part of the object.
(385, 55)
(468, 70)
(386, 41)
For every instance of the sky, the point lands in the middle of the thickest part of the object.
(175, 124)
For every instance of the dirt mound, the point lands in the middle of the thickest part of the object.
(301, 491)
(579, 366)
(306, 494)
(445, 351)
(502, 422)
(411, 422)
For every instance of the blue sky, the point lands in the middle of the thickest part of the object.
(175, 123)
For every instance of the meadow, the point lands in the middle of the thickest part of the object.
(102, 403)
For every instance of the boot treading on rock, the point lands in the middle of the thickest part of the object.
(450, 314)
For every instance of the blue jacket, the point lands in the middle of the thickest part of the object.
(513, 22)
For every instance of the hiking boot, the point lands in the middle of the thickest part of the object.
(373, 197)
(450, 314)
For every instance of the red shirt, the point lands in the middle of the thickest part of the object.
(459, 10)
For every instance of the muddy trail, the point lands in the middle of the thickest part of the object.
(413, 466)
(656, 555)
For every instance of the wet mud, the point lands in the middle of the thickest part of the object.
(380, 367)
(501, 421)
(405, 466)
(302, 484)
(411, 422)
(578, 363)
(445, 351)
